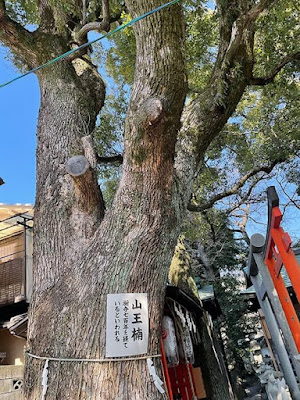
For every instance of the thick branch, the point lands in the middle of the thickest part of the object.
(47, 19)
(16, 37)
(270, 78)
(87, 190)
(101, 25)
(259, 8)
(93, 26)
(207, 113)
(105, 10)
(235, 188)
(89, 151)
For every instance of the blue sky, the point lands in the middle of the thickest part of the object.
(19, 104)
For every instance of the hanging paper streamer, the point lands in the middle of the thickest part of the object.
(45, 379)
(156, 380)
(193, 325)
(178, 311)
(188, 320)
(186, 350)
(169, 340)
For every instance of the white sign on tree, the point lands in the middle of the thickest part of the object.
(127, 324)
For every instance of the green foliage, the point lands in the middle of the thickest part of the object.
(236, 322)
(213, 231)
(226, 257)
(201, 44)
(264, 128)
(23, 11)
(120, 57)
(278, 35)
(108, 137)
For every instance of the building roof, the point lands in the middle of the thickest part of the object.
(10, 217)
(18, 325)
(206, 293)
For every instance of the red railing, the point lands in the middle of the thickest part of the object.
(278, 252)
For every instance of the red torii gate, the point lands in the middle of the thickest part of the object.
(278, 252)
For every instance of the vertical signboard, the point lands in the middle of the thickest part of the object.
(127, 324)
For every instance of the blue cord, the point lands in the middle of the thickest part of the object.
(119, 28)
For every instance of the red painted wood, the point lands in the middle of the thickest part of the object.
(279, 253)
(166, 372)
(286, 302)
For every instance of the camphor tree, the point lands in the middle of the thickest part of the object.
(184, 90)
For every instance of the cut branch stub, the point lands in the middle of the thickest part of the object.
(151, 111)
(77, 166)
(87, 190)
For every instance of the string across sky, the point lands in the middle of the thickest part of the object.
(62, 56)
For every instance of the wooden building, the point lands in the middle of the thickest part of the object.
(15, 293)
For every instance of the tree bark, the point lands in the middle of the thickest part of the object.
(78, 261)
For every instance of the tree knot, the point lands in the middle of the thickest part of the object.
(151, 111)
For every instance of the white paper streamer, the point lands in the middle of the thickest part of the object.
(156, 380)
(194, 325)
(189, 321)
(45, 379)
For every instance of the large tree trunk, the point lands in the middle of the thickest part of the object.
(82, 253)
(79, 260)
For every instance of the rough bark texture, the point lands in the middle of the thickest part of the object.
(86, 264)
(82, 253)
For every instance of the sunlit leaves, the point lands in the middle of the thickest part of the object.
(278, 34)
(201, 44)
(23, 11)
(121, 55)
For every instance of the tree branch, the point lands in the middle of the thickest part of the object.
(270, 78)
(16, 37)
(47, 19)
(117, 159)
(259, 8)
(92, 26)
(244, 198)
(226, 193)
(105, 10)
(287, 195)
(93, 158)
(243, 223)
(87, 190)
(102, 25)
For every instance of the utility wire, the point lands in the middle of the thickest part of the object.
(62, 56)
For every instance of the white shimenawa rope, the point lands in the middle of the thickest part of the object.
(95, 360)
(157, 382)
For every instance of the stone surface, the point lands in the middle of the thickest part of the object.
(9, 374)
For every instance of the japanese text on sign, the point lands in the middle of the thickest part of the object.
(127, 324)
